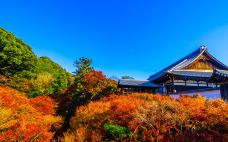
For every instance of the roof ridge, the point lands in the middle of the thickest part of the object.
(133, 80)
(216, 59)
(172, 66)
(202, 50)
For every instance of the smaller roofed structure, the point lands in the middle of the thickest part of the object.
(130, 86)
(219, 76)
(139, 83)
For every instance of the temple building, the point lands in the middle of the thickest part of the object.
(198, 71)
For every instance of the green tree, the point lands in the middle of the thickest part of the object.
(25, 71)
(90, 84)
(16, 57)
(53, 77)
(127, 77)
(61, 76)
(83, 66)
(42, 85)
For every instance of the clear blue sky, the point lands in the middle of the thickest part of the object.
(123, 37)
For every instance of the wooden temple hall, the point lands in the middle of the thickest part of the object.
(198, 71)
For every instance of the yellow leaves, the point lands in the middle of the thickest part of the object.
(50, 119)
(70, 137)
(5, 114)
(42, 82)
(93, 108)
(82, 134)
(8, 124)
(44, 79)
(7, 118)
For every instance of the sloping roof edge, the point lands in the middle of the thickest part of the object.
(136, 83)
(219, 76)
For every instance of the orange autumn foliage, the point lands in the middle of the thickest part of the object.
(43, 104)
(23, 119)
(152, 118)
(91, 79)
(96, 83)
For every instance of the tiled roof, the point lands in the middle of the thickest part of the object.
(219, 76)
(222, 73)
(136, 83)
(191, 73)
(184, 62)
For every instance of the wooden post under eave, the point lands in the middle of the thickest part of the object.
(173, 87)
(198, 84)
(224, 91)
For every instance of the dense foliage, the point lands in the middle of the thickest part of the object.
(150, 118)
(91, 84)
(16, 57)
(50, 78)
(94, 85)
(127, 77)
(23, 119)
(26, 72)
(116, 132)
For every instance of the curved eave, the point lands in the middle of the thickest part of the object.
(163, 78)
(219, 63)
(178, 65)
(136, 83)
(184, 75)
(133, 86)
(219, 76)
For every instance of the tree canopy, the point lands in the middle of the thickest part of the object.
(127, 77)
(27, 72)
(91, 84)
(16, 57)
(83, 65)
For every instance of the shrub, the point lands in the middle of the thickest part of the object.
(151, 118)
(42, 84)
(116, 131)
(93, 85)
(23, 119)
(43, 104)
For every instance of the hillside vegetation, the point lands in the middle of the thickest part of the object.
(24, 71)
(146, 117)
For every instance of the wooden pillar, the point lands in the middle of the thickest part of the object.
(173, 87)
(162, 88)
(224, 91)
